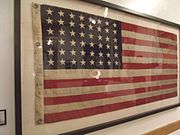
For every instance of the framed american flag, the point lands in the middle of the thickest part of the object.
(83, 70)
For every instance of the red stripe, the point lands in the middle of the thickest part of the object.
(54, 117)
(148, 65)
(134, 41)
(148, 31)
(65, 83)
(147, 54)
(108, 94)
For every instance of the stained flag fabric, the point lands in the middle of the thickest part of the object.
(94, 65)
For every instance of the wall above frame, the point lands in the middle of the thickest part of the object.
(84, 70)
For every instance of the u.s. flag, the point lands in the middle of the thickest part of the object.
(93, 65)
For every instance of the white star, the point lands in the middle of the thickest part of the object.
(106, 22)
(82, 43)
(61, 22)
(114, 24)
(91, 44)
(82, 62)
(49, 20)
(71, 15)
(100, 54)
(90, 27)
(99, 28)
(81, 25)
(100, 45)
(72, 33)
(50, 31)
(107, 39)
(116, 47)
(61, 41)
(82, 53)
(61, 31)
(49, 11)
(73, 62)
(49, 42)
(91, 53)
(116, 62)
(115, 40)
(92, 62)
(61, 13)
(81, 17)
(50, 62)
(82, 34)
(107, 30)
(73, 43)
(116, 55)
(108, 54)
(114, 31)
(71, 24)
(91, 36)
(109, 62)
(73, 52)
(62, 52)
(99, 37)
(90, 19)
(62, 62)
(99, 21)
(50, 52)
(100, 62)
(108, 46)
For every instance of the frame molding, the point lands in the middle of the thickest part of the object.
(117, 122)
(17, 66)
(17, 69)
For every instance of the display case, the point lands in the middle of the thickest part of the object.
(82, 66)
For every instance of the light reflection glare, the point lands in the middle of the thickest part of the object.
(93, 21)
(40, 47)
(96, 74)
(105, 12)
(49, 42)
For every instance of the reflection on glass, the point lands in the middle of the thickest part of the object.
(96, 74)
(105, 11)
(98, 65)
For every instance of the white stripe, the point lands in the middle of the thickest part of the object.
(161, 51)
(128, 59)
(98, 73)
(101, 102)
(147, 37)
(57, 92)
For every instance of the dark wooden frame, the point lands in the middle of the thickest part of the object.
(17, 69)
(5, 119)
(17, 66)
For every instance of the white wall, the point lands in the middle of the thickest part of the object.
(7, 65)
(165, 9)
